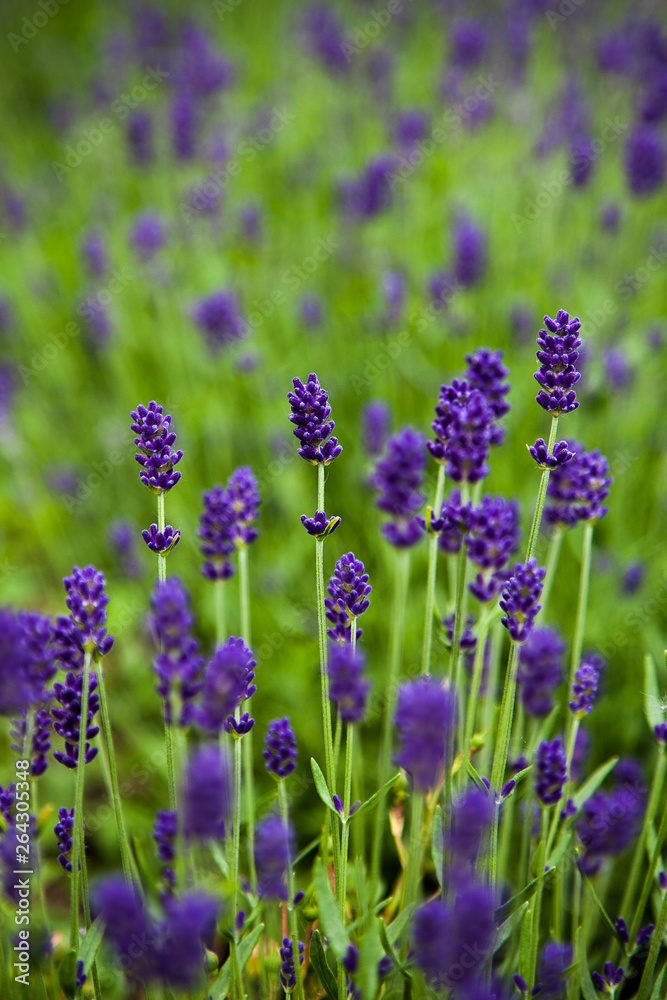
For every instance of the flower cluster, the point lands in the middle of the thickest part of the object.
(310, 415)
(280, 751)
(545, 460)
(84, 631)
(228, 682)
(178, 664)
(155, 441)
(67, 719)
(207, 795)
(161, 542)
(424, 717)
(550, 771)
(164, 835)
(540, 670)
(348, 597)
(398, 479)
(287, 966)
(558, 354)
(347, 687)
(487, 373)
(273, 854)
(64, 831)
(519, 599)
(26, 661)
(493, 537)
(216, 530)
(577, 490)
(464, 429)
(585, 686)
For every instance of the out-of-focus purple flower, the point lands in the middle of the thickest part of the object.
(25, 665)
(554, 960)
(310, 311)
(217, 533)
(398, 479)
(393, 287)
(348, 597)
(148, 235)
(280, 751)
(582, 160)
(273, 857)
(424, 716)
(645, 161)
(609, 821)
(219, 318)
(202, 70)
(633, 578)
(375, 427)
(311, 414)
(617, 369)
(122, 538)
(320, 526)
(67, 719)
(189, 924)
(453, 523)
(582, 747)
(325, 38)
(251, 223)
(558, 352)
(64, 831)
(470, 252)
(540, 670)
(348, 688)
(178, 663)
(126, 921)
(468, 44)
(472, 814)
(287, 966)
(40, 743)
(559, 456)
(464, 429)
(97, 320)
(493, 537)
(184, 114)
(411, 127)
(14, 210)
(615, 51)
(228, 682)
(487, 373)
(577, 490)
(585, 686)
(244, 500)
(442, 287)
(654, 100)
(610, 217)
(165, 832)
(94, 253)
(519, 599)
(140, 137)
(443, 933)
(155, 440)
(429, 931)
(207, 794)
(550, 771)
(371, 192)
(161, 542)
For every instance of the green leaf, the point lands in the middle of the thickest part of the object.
(603, 913)
(67, 974)
(371, 953)
(437, 842)
(657, 989)
(388, 950)
(507, 909)
(593, 783)
(526, 943)
(396, 928)
(369, 803)
(222, 984)
(652, 701)
(506, 928)
(586, 983)
(306, 851)
(332, 921)
(220, 859)
(324, 974)
(91, 943)
(321, 786)
(477, 778)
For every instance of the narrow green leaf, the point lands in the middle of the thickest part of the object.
(222, 984)
(658, 993)
(326, 978)
(67, 974)
(603, 913)
(321, 786)
(506, 928)
(369, 803)
(526, 943)
(306, 851)
(593, 783)
(396, 928)
(585, 981)
(388, 950)
(91, 943)
(371, 953)
(220, 859)
(477, 778)
(652, 700)
(329, 913)
(437, 844)
(513, 904)
(562, 844)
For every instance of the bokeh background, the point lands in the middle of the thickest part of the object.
(369, 191)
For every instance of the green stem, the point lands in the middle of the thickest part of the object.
(489, 713)
(248, 768)
(427, 642)
(541, 494)
(236, 850)
(482, 632)
(539, 869)
(415, 856)
(282, 798)
(650, 876)
(97, 992)
(162, 556)
(168, 734)
(582, 604)
(553, 556)
(220, 623)
(501, 750)
(347, 789)
(401, 575)
(654, 950)
(113, 775)
(78, 846)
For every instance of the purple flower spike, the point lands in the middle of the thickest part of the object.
(320, 526)
(287, 966)
(178, 663)
(611, 980)
(584, 687)
(165, 832)
(493, 537)
(551, 771)
(67, 719)
(424, 716)
(540, 671)
(239, 727)
(398, 478)
(244, 501)
(560, 455)
(64, 830)
(348, 597)
(519, 599)
(645, 157)
(155, 441)
(577, 491)
(558, 353)
(310, 414)
(217, 532)
(487, 373)
(280, 751)
(207, 798)
(84, 630)
(464, 429)
(453, 523)
(273, 854)
(347, 687)
(161, 542)
(219, 318)
(228, 681)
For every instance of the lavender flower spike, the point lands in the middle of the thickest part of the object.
(161, 542)
(348, 597)
(67, 719)
(320, 525)
(84, 630)
(398, 478)
(347, 687)
(551, 771)
(155, 441)
(310, 414)
(540, 453)
(217, 533)
(519, 599)
(280, 751)
(585, 686)
(558, 354)
(424, 716)
(244, 500)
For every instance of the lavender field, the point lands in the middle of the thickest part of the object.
(332, 394)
